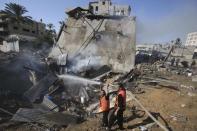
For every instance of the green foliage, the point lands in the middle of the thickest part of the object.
(15, 13)
(46, 38)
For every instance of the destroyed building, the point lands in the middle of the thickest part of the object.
(70, 102)
(106, 7)
(191, 39)
(13, 34)
(27, 30)
(93, 40)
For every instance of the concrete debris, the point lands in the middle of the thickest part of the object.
(179, 117)
(48, 103)
(188, 88)
(94, 52)
(40, 89)
(163, 82)
(93, 108)
(44, 117)
(147, 127)
(194, 78)
(63, 97)
(183, 105)
(191, 94)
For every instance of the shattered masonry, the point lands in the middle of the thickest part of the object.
(95, 40)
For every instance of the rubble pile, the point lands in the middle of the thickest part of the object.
(58, 100)
(94, 52)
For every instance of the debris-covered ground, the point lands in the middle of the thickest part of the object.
(175, 109)
(170, 96)
(40, 92)
(178, 110)
(44, 88)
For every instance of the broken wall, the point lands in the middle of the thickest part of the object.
(10, 46)
(184, 53)
(98, 42)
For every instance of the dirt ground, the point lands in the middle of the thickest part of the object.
(177, 108)
(174, 109)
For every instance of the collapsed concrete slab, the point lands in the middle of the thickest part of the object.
(96, 40)
(41, 88)
(44, 117)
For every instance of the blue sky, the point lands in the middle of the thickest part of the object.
(157, 20)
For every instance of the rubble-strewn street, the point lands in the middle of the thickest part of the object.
(94, 75)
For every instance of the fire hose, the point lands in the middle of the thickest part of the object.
(149, 114)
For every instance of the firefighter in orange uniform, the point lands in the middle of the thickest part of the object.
(104, 107)
(120, 105)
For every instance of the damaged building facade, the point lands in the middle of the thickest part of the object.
(96, 39)
(69, 100)
(106, 7)
(191, 39)
(29, 30)
(13, 32)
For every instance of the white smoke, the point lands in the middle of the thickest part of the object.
(86, 59)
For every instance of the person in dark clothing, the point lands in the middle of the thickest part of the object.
(119, 107)
(177, 62)
(172, 61)
(104, 107)
(136, 74)
(193, 64)
(119, 111)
